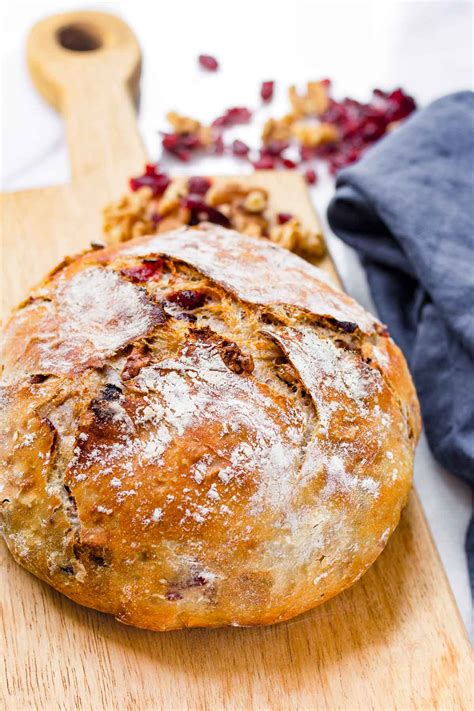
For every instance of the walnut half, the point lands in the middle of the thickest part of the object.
(293, 236)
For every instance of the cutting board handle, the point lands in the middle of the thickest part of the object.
(87, 65)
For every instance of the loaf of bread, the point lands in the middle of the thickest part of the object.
(199, 429)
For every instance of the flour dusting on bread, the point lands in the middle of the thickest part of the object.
(100, 308)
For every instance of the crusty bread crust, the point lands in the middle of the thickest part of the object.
(199, 429)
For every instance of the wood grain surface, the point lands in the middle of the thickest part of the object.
(393, 641)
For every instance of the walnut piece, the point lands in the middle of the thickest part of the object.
(278, 129)
(254, 225)
(291, 235)
(244, 206)
(171, 198)
(313, 103)
(313, 135)
(183, 124)
(255, 201)
(223, 194)
(130, 217)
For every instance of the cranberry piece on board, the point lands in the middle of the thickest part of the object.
(201, 211)
(198, 185)
(157, 182)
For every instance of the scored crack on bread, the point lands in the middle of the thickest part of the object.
(198, 428)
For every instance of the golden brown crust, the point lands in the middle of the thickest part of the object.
(199, 429)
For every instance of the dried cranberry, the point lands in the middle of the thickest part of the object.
(189, 140)
(239, 148)
(170, 141)
(334, 113)
(393, 106)
(307, 153)
(38, 378)
(201, 211)
(343, 158)
(336, 163)
(310, 176)
(187, 299)
(372, 129)
(349, 127)
(352, 155)
(266, 90)
(233, 117)
(264, 163)
(220, 122)
(183, 155)
(289, 164)
(218, 146)
(400, 105)
(284, 217)
(181, 145)
(208, 62)
(353, 103)
(148, 269)
(158, 183)
(198, 185)
(152, 169)
(325, 151)
(274, 149)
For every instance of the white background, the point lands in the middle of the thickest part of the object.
(426, 47)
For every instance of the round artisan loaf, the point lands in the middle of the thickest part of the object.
(199, 429)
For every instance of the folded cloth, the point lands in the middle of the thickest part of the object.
(408, 209)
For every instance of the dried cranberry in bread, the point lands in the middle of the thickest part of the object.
(199, 429)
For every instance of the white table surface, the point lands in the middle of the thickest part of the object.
(426, 47)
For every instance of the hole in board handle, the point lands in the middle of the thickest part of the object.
(79, 38)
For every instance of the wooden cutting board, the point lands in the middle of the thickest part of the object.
(393, 641)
